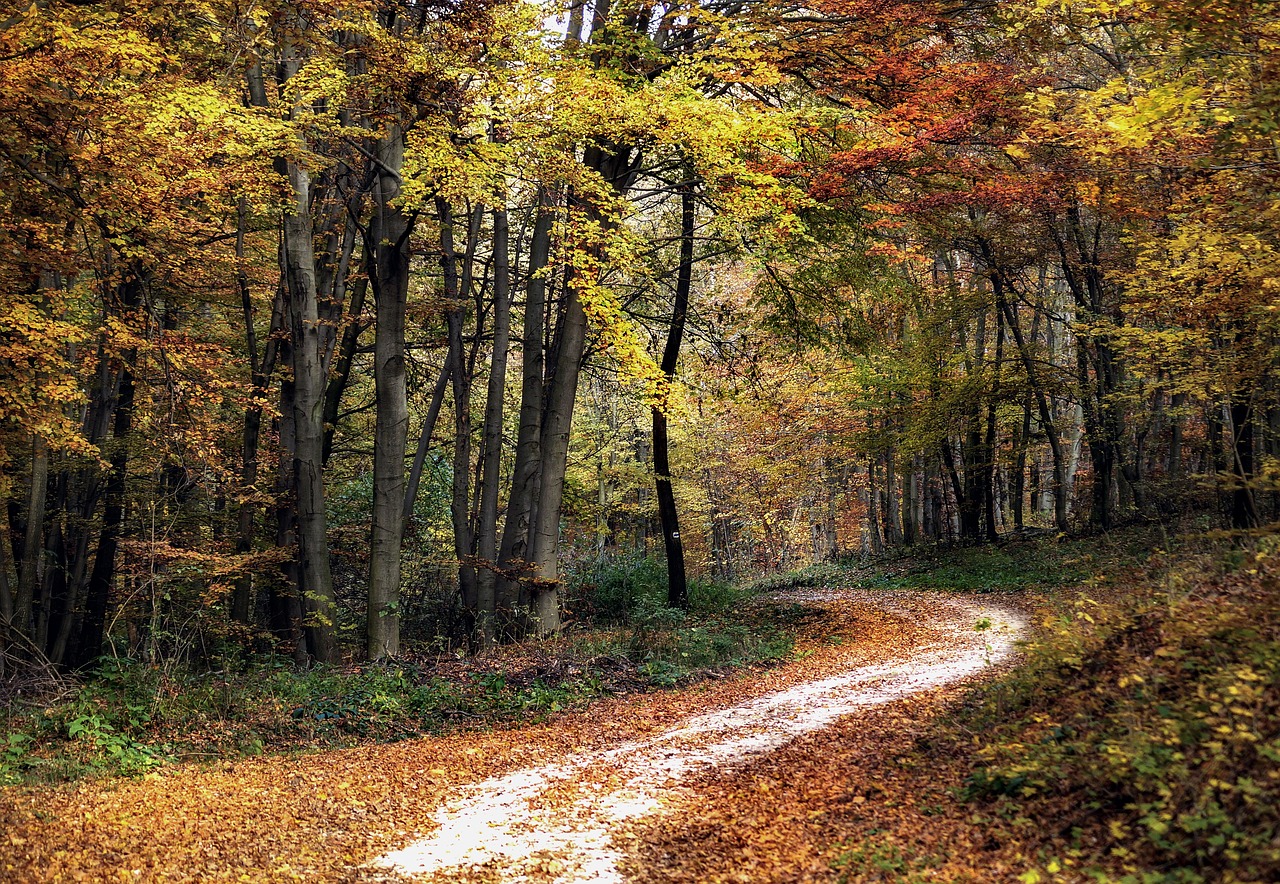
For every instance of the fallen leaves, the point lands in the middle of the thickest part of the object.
(325, 817)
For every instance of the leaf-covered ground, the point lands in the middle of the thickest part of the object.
(325, 817)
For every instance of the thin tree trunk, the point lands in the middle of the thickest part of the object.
(487, 528)
(102, 577)
(893, 504)
(1020, 466)
(460, 506)
(677, 584)
(33, 539)
(1175, 436)
(424, 439)
(344, 359)
(286, 600)
(261, 372)
(873, 509)
(514, 552)
(1060, 485)
(1244, 507)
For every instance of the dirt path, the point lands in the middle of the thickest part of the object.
(558, 821)
(568, 800)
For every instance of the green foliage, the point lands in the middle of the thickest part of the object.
(1156, 716)
(128, 717)
(882, 859)
(1010, 566)
(832, 574)
(668, 645)
(14, 756)
(1004, 568)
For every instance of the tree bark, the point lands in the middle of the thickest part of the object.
(102, 577)
(33, 540)
(389, 230)
(315, 576)
(424, 440)
(668, 514)
(343, 360)
(460, 506)
(261, 371)
(514, 553)
(1060, 484)
(1244, 507)
(487, 525)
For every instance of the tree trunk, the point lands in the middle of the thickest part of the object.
(315, 576)
(1060, 484)
(487, 526)
(668, 515)
(1244, 507)
(1177, 420)
(343, 359)
(556, 425)
(893, 533)
(460, 506)
(286, 591)
(261, 372)
(514, 552)
(102, 577)
(389, 231)
(873, 510)
(33, 540)
(1020, 467)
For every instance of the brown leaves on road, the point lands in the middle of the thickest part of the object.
(325, 817)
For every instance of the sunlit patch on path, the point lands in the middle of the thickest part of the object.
(557, 821)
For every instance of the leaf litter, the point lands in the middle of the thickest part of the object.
(563, 801)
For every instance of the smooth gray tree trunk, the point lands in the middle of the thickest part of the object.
(389, 230)
(513, 553)
(487, 524)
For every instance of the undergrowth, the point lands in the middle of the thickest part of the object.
(1146, 724)
(1013, 565)
(1137, 741)
(127, 717)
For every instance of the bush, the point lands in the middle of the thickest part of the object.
(669, 645)
(623, 590)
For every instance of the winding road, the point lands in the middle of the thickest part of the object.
(589, 796)
(559, 820)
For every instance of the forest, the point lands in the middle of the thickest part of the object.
(514, 357)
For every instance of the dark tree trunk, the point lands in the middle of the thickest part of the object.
(668, 515)
(514, 552)
(1244, 507)
(389, 231)
(343, 360)
(460, 506)
(101, 579)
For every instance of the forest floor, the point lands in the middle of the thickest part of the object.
(734, 778)
(1047, 710)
